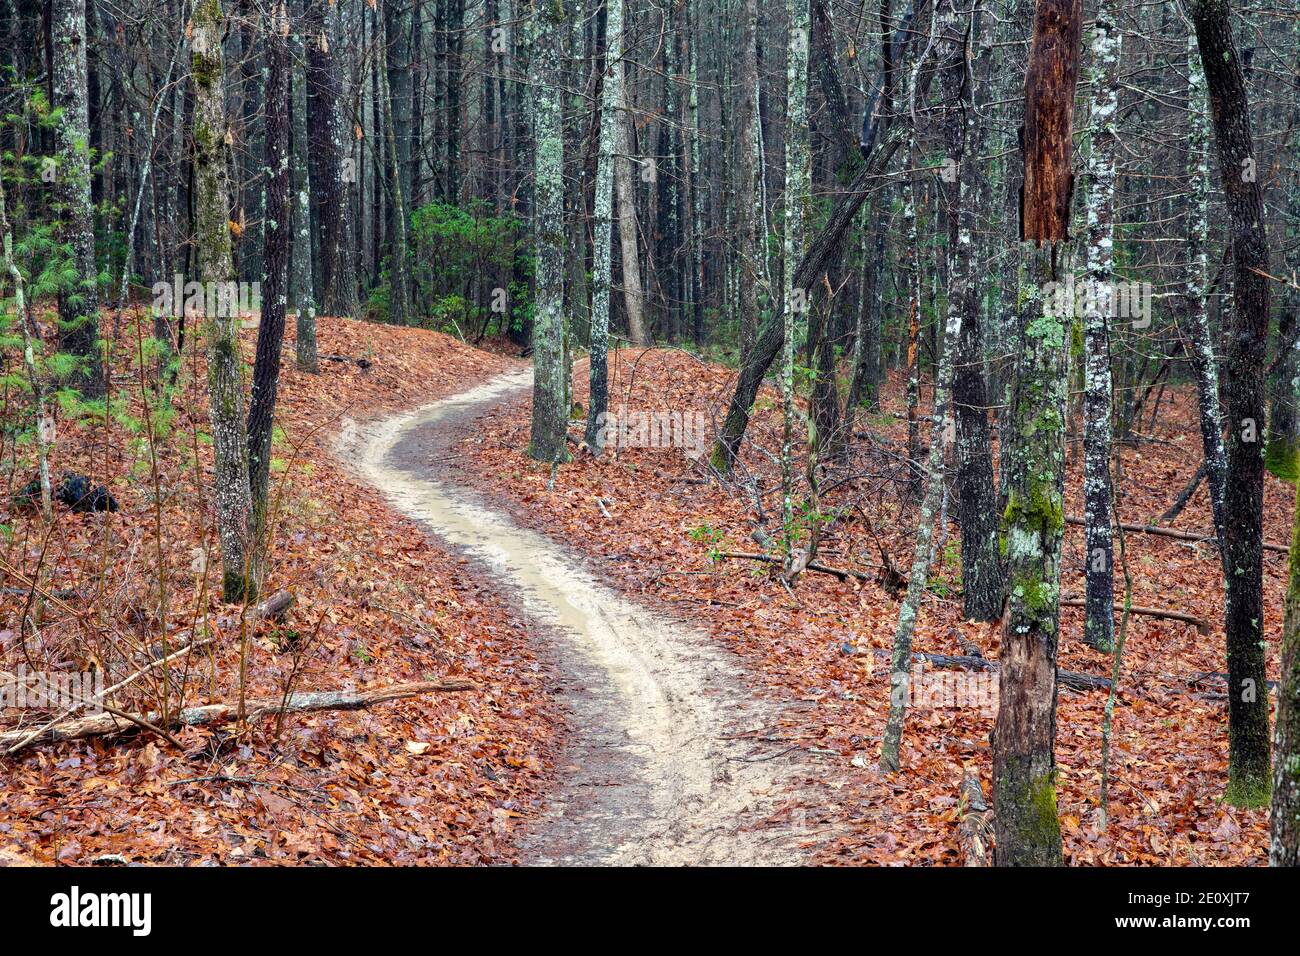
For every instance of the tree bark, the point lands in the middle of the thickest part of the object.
(1249, 775)
(79, 305)
(550, 416)
(1099, 299)
(231, 489)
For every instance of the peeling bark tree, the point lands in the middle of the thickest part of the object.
(1049, 118)
(1099, 620)
(79, 306)
(1249, 776)
(550, 416)
(1024, 734)
(212, 241)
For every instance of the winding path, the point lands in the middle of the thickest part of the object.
(653, 771)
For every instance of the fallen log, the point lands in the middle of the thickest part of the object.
(976, 822)
(1070, 679)
(274, 607)
(1195, 536)
(1202, 626)
(99, 725)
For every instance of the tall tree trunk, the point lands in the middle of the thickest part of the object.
(212, 253)
(1249, 775)
(78, 306)
(1024, 734)
(747, 175)
(976, 488)
(399, 276)
(625, 187)
(275, 282)
(302, 288)
(611, 96)
(797, 185)
(1099, 299)
(550, 416)
(335, 173)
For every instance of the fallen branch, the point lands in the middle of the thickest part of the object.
(99, 725)
(842, 573)
(1201, 625)
(1196, 536)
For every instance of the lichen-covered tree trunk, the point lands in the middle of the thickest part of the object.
(796, 200)
(301, 286)
(545, 72)
(1099, 616)
(1249, 774)
(1204, 361)
(976, 487)
(1024, 735)
(212, 254)
(602, 238)
(78, 306)
(275, 298)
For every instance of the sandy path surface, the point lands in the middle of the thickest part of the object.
(663, 763)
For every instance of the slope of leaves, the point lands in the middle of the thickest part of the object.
(435, 779)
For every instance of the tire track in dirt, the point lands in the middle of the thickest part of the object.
(652, 771)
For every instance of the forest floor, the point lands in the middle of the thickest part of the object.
(653, 528)
(442, 778)
(639, 701)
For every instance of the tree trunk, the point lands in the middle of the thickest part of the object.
(633, 294)
(1099, 300)
(212, 253)
(1249, 775)
(275, 259)
(611, 96)
(976, 487)
(1024, 734)
(335, 172)
(79, 305)
(302, 289)
(550, 416)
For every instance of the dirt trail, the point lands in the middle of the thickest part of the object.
(649, 775)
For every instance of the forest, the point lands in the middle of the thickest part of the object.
(659, 433)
